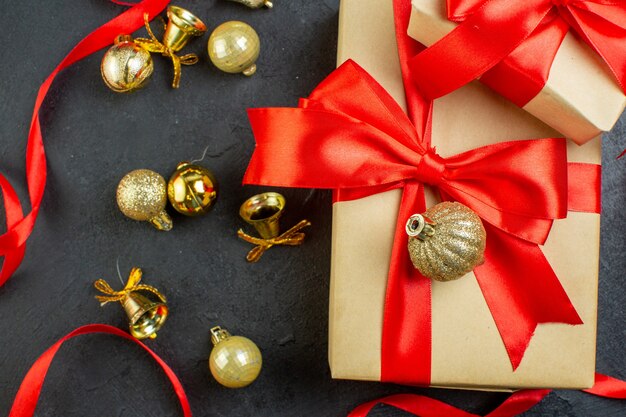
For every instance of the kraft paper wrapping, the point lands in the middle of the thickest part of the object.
(581, 98)
(467, 349)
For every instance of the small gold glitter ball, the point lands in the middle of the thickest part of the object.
(126, 66)
(141, 195)
(192, 189)
(234, 47)
(235, 361)
(447, 241)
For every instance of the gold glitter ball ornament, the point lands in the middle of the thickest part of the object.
(255, 4)
(142, 196)
(192, 189)
(447, 241)
(234, 47)
(235, 361)
(126, 66)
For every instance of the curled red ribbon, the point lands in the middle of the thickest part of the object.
(511, 45)
(19, 227)
(28, 395)
(517, 403)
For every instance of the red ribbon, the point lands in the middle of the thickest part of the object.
(28, 395)
(19, 227)
(511, 44)
(517, 403)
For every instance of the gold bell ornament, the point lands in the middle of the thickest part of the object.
(255, 4)
(234, 48)
(447, 241)
(263, 211)
(181, 27)
(142, 195)
(145, 306)
(192, 189)
(126, 66)
(235, 361)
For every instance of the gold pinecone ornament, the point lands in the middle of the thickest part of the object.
(447, 241)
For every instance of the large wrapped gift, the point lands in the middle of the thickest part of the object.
(527, 316)
(562, 61)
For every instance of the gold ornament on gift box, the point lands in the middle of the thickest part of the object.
(263, 211)
(234, 48)
(447, 241)
(126, 66)
(181, 27)
(142, 195)
(192, 189)
(255, 4)
(145, 306)
(235, 361)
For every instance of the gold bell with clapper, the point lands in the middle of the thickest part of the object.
(263, 211)
(145, 306)
(182, 26)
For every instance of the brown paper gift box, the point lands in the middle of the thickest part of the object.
(581, 98)
(467, 349)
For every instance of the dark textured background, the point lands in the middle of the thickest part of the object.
(93, 137)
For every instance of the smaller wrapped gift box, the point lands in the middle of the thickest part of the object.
(467, 350)
(581, 97)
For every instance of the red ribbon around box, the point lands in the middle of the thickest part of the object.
(511, 45)
(352, 137)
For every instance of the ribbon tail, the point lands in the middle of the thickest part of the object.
(422, 406)
(177, 70)
(608, 387)
(407, 328)
(605, 35)
(13, 214)
(521, 290)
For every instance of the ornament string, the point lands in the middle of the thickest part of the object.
(20, 226)
(193, 161)
(292, 237)
(131, 285)
(154, 45)
(27, 396)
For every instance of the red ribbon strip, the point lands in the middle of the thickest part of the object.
(511, 44)
(19, 227)
(517, 403)
(28, 395)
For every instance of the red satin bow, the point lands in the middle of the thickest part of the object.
(351, 136)
(511, 44)
(19, 227)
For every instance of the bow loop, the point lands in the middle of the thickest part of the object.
(133, 284)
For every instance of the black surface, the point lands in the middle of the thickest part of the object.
(93, 137)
